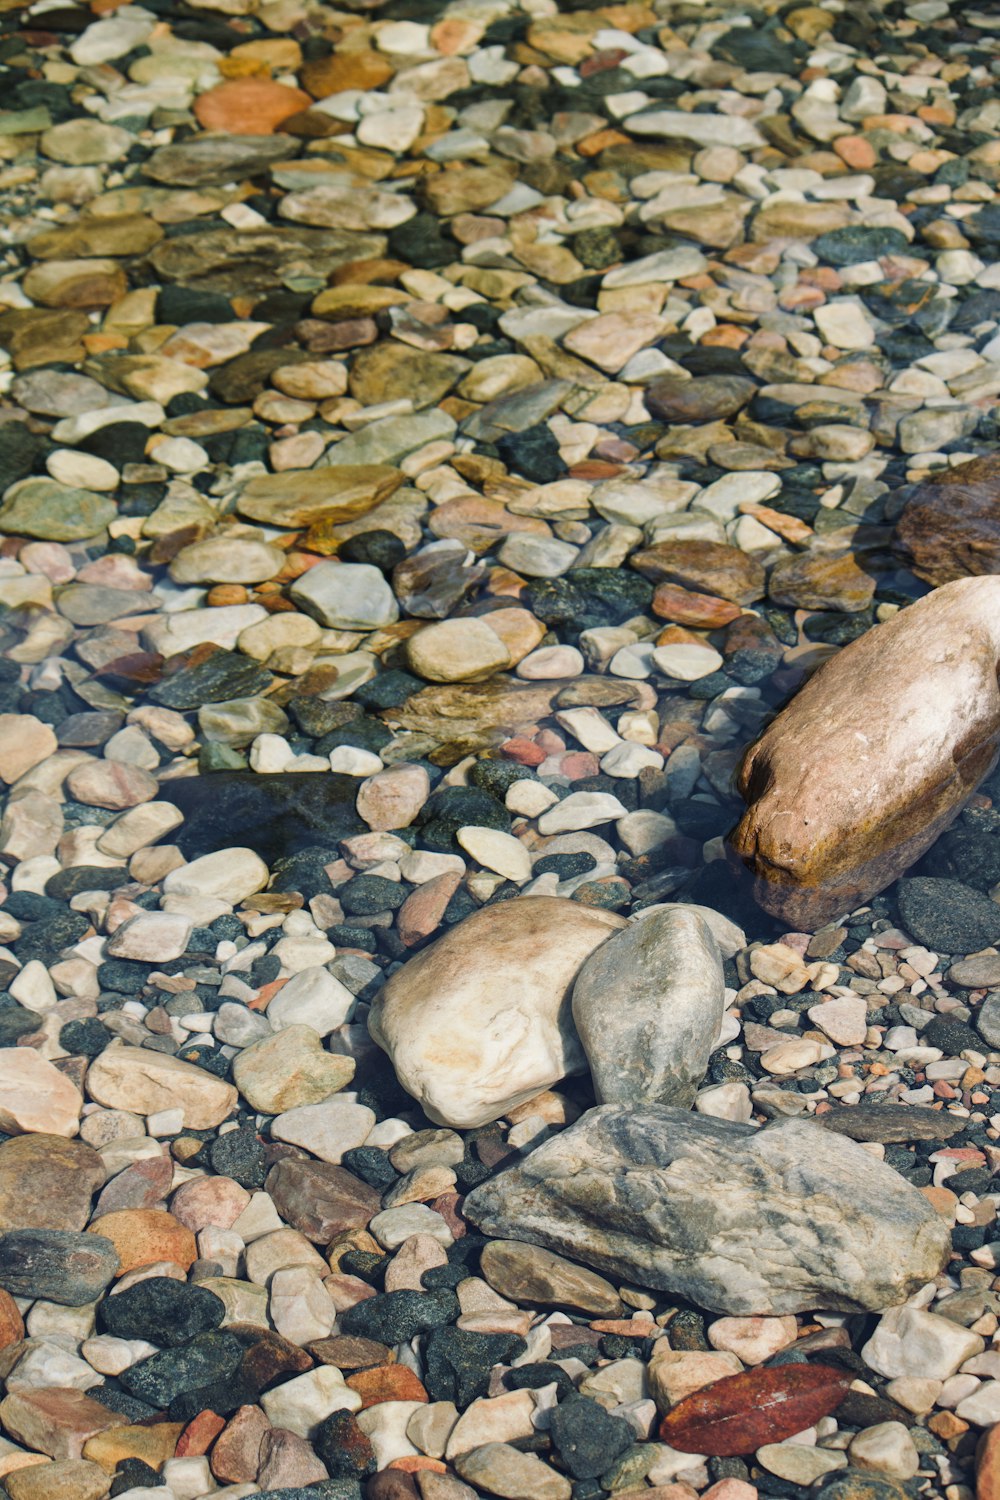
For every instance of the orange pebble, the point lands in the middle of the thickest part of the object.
(103, 343)
(226, 593)
(725, 336)
(593, 145)
(855, 152)
(387, 1383)
(266, 994)
(199, 1435)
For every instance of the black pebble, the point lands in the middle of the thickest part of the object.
(240, 1155)
(587, 1438)
(163, 1311)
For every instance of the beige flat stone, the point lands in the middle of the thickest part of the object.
(137, 1079)
(35, 1096)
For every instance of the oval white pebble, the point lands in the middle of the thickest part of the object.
(497, 851)
(551, 662)
(354, 761)
(687, 661)
(83, 471)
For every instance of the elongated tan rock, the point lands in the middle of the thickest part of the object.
(144, 1082)
(481, 1020)
(874, 758)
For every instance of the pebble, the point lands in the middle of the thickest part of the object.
(439, 518)
(290, 1070)
(501, 1048)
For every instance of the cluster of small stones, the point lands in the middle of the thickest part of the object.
(435, 438)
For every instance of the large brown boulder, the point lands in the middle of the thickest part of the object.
(950, 526)
(874, 758)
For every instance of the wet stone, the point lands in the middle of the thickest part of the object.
(200, 1361)
(946, 915)
(57, 1265)
(162, 1311)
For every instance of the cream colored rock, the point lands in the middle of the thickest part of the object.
(457, 651)
(911, 725)
(137, 1079)
(497, 851)
(24, 741)
(138, 827)
(35, 1096)
(231, 874)
(480, 1021)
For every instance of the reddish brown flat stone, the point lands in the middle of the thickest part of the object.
(875, 757)
(387, 1383)
(951, 524)
(349, 1352)
(248, 106)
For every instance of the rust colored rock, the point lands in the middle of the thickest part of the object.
(874, 758)
(347, 70)
(387, 1383)
(11, 1322)
(144, 1235)
(199, 1435)
(686, 607)
(706, 567)
(249, 106)
(950, 526)
(988, 1465)
(822, 580)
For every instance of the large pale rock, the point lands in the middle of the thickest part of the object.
(910, 717)
(648, 1006)
(770, 1221)
(480, 1021)
(35, 1096)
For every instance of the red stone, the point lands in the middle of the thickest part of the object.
(387, 1383)
(248, 106)
(199, 1435)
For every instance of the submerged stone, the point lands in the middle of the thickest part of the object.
(740, 1220)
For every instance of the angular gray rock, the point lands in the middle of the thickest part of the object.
(783, 1219)
(648, 1005)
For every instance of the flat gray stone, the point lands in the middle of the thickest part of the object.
(783, 1219)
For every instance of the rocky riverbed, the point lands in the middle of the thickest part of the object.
(500, 846)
